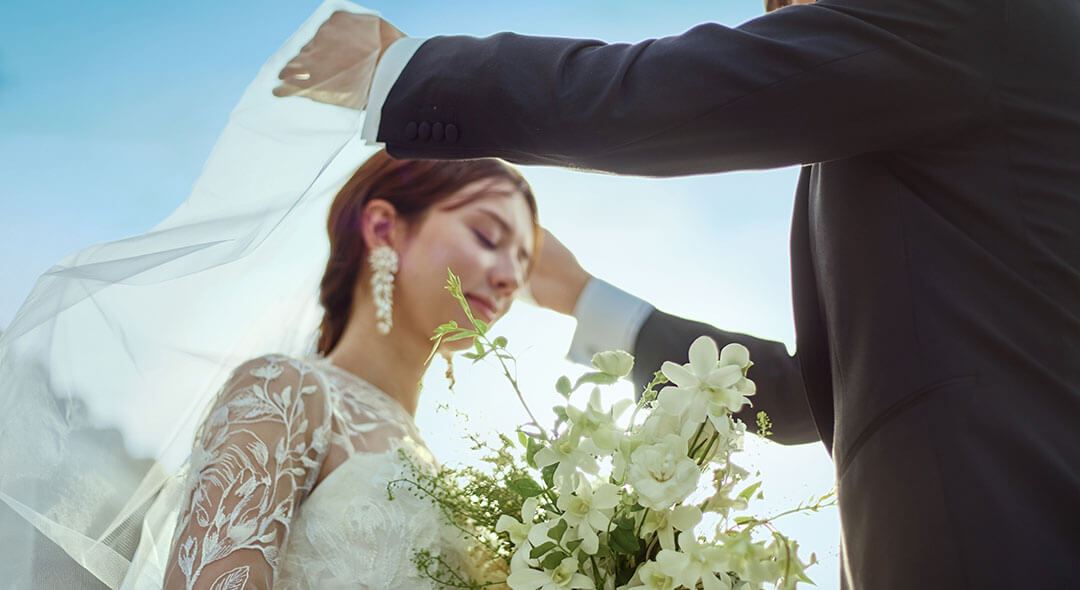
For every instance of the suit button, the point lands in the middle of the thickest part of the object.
(437, 131)
(451, 133)
(424, 130)
(410, 130)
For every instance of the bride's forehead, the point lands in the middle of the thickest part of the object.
(498, 193)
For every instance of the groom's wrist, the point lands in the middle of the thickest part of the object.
(391, 64)
(608, 318)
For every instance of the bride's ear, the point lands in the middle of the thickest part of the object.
(381, 225)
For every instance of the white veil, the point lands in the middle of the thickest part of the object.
(106, 368)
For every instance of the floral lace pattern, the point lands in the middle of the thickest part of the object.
(258, 514)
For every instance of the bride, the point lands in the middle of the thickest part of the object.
(108, 371)
(288, 478)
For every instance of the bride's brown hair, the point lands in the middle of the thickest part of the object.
(412, 187)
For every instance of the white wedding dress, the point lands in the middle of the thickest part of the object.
(255, 509)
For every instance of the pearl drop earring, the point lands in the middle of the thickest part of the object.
(384, 263)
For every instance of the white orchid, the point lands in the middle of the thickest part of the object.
(665, 523)
(660, 574)
(662, 473)
(598, 427)
(588, 510)
(710, 385)
(563, 577)
(519, 530)
(705, 563)
(567, 452)
(751, 560)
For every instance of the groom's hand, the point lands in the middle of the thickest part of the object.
(557, 279)
(337, 66)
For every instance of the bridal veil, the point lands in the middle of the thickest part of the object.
(107, 367)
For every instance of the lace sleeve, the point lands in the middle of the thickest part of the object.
(256, 456)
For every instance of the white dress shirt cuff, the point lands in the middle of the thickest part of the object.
(608, 318)
(390, 66)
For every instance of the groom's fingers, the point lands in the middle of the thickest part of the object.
(294, 73)
(286, 89)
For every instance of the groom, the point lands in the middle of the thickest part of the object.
(935, 241)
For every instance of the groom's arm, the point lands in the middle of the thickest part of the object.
(803, 84)
(609, 318)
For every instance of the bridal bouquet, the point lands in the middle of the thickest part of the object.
(596, 502)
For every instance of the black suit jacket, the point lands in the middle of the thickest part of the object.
(935, 249)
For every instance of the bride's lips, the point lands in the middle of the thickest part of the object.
(482, 307)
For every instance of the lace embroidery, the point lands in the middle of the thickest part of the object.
(258, 455)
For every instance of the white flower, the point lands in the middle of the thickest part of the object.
(617, 363)
(705, 563)
(269, 371)
(711, 383)
(567, 452)
(589, 510)
(655, 575)
(662, 473)
(518, 530)
(597, 426)
(750, 560)
(563, 577)
(665, 522)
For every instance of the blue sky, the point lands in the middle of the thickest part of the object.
(109, 109)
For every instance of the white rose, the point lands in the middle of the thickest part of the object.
(662, 473)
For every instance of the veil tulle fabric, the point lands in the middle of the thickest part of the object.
(107, 367)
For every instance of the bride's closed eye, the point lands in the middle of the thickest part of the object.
(488, 243)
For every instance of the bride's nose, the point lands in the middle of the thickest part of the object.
(507, 275)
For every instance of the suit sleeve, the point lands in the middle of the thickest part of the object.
(803, 84)
(780, 390)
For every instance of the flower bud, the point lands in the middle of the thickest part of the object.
(614, 362)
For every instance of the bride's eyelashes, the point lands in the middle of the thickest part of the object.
(485, 241)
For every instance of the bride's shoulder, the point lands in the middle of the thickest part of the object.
(278, 380)
(279, 368)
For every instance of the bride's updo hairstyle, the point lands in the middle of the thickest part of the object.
(412, 187)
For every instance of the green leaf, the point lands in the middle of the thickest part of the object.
(596, 378)
(624, 541)
(540, 550)
(523, 438)
(556, 532)
(560, 412)
(531, 450)
(553, 560)
(481, 326)
(458, 336)
(749, 492)
(573, 545)
(526, 487)
(549, 474)
(563, 386)
(741, 520)
(500, 342)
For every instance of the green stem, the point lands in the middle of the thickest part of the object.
(708, 446)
